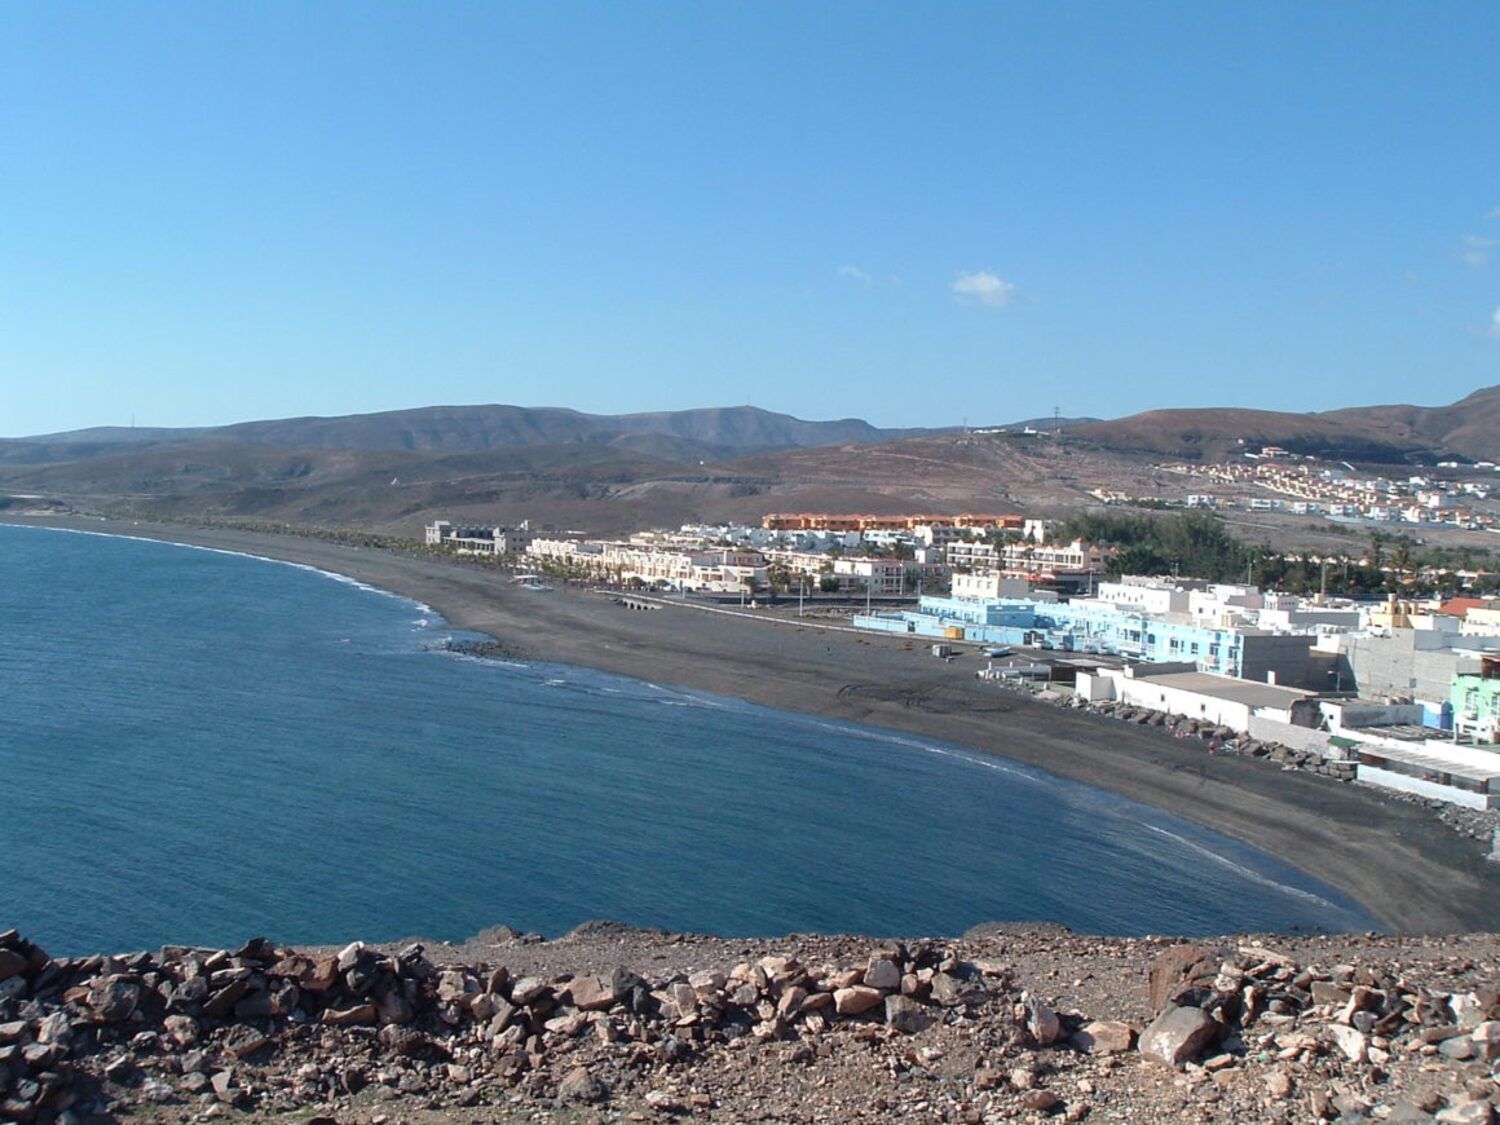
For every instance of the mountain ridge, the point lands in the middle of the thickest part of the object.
(698, 434)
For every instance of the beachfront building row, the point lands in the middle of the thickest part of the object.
(716, 570)
(1137, 619)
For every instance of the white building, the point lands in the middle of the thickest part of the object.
(1178, 690)
(478, 540)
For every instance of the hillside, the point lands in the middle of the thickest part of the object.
(685, 435)
(393, 472)
(1383, 434)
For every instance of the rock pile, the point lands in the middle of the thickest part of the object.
(1259, 1010)
(832, 1031)
(186, 1025)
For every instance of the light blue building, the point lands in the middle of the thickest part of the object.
(1249, 653)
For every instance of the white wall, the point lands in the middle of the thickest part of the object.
(1389, 779)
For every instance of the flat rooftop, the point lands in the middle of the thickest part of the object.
(1227, 687)
(1431, 760)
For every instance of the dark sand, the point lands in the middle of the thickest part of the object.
(1393, 858)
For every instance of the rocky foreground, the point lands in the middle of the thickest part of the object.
(614, 1024)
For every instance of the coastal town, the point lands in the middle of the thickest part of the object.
(1400, 691)
(1448, 495)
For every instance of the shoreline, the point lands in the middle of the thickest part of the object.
(1394, 860)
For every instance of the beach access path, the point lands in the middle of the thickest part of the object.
(1394, 858)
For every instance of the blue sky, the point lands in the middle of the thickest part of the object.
(911, 213)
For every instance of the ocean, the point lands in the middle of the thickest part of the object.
(199, 747)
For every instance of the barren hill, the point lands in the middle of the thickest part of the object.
(686, 435)
(1389, 434)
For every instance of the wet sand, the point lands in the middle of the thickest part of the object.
(1393, 858)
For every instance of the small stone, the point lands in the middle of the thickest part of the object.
(882, 973)
(1466, 1111)
(1042, 1022)
(1104, 1037)
(581, 1086)
(1407, 1113)
(1458, 1049)
(527, 989)
(182, 1030)
(1279, 1084)
(244, 1040)
(1350, 1041)
(906, 1015)
(456, 986)
(1486, 1039)
(359, 1014)
(1042, 1101)
(224, 1087)
(791, 1001)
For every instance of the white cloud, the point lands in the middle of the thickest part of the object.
(1494, 214)
(1495, 324)
(1476, 251)
(983, 287)
(854, 273)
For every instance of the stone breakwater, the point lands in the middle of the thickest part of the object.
(923, 1030)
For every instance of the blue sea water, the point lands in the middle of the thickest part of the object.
(198, 746)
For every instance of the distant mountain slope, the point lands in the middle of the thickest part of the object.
(688, 435)
(1470, 428)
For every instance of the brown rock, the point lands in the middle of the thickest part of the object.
(244, 1040)
(113, 998)
(905, 1014)
(1181, 969)
(591, 993)
(321, 975)
(224, 1088)
(1042, 1101)
(359, 1014)
(581, 1086)
(1042, 1022)
(791, 1001)
(882, 973)
(1178, 1035)
(856, 1000)
(1104, 1037)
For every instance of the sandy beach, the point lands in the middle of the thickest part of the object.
(1395, 859)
